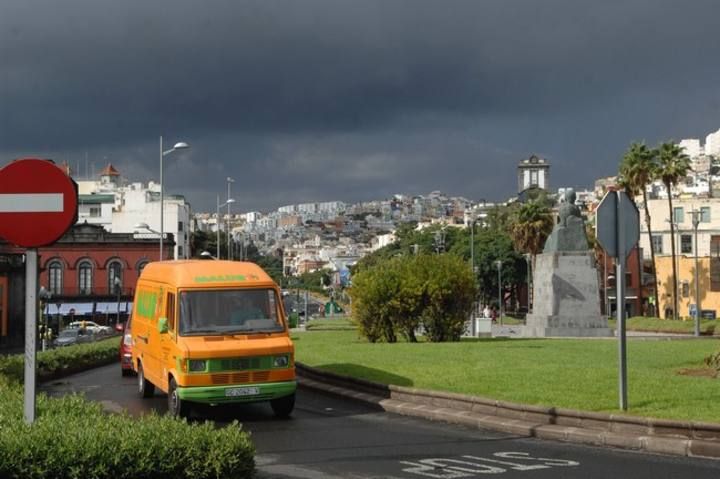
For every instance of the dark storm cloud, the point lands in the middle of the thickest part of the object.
(320, 100)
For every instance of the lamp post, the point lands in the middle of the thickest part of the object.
(696, 222)
(117, 283)
(676, 282)
(230, 200)
(44, 295)
(498, 263)
(528, 260)
(178, 146)
(230, 181)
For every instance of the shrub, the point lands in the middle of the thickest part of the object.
(73, 438)
(398, 295)
(57, 362)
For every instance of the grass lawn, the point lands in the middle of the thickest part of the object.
(639, 323)
(578, 374)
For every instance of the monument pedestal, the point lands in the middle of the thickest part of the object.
(566, 299)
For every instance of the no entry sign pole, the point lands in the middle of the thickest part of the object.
(618, 231)
(31, 262)
(38, 204)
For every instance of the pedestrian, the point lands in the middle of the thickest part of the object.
(486, 311)
(493, 314)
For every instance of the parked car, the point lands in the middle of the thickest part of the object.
(91, 326)
(126, 351)
(68, 337)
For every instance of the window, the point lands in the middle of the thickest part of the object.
(55, 277)
(180, 225)
(705, 214)
(180, 252)
(715, 263)
(114, 271)
(657, 243)
(140, 267)
(685, 244)
(85, 277)
(533, 177)
(679, 214)
(94, 212)
(685, 289)
(170, 311)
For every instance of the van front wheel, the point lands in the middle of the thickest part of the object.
(283, 407)
(145, 387)
(176, 406)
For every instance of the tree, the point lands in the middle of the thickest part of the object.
(673, 165)
(530, 227)
(637, 170)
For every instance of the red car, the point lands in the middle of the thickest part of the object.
(126, 351)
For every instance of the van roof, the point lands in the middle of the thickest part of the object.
(199, 273)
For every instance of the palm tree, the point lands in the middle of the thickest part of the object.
(673, 165)
(531, 225)
(637, 170)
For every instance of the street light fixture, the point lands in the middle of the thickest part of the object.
(178, 146)
(676, 280)
(230, 200)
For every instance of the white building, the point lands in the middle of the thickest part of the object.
(119, 208)
(712, 144)
(691, 147)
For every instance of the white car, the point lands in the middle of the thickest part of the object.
(91, 326)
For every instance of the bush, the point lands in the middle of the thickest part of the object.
(74, 438)
(398, 295)
(61, 361)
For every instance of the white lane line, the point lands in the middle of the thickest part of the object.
(31, 202)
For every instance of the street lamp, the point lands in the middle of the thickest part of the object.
(178, 146)
(696, 222)
(117, 283)
(44, 295)
(528, 260)
(230, 200)
(498, 263)
(230, 181)
(676, 281)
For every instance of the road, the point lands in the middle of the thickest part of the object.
(330, 438)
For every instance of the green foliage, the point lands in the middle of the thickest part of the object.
(56, 362)
(531, 225)
(313, 281)
(73, 438)
(395, 297)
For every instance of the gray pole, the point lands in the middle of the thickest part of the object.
(500, 305)
(306, 306)
(31, 257)
(696, 223)
(620, 299)
(230, 256)
(162, 200)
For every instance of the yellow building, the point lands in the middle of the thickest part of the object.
(709, 290)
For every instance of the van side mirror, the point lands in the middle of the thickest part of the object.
(163, 325)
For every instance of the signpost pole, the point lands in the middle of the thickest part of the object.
(620, 299)
(30, 330)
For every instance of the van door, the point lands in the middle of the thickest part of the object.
(145, 331)
(167, 341)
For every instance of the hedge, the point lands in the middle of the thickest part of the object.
(74, 438)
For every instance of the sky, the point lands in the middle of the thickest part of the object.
(352, 100)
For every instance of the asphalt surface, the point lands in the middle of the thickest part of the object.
(328, 437)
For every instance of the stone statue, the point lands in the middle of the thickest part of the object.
(569, 232)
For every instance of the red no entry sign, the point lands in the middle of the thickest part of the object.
(38, 202)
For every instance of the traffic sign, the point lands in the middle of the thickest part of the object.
(617, 224)
(38, 202)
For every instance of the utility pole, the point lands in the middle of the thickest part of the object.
(696, 222)
(230, 181)
(498, 263)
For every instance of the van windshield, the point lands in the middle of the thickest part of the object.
(229, 311)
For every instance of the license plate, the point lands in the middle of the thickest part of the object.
(246, 391)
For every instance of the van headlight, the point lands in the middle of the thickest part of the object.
(197, 365)
(281, 361)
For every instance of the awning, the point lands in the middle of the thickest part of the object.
(73, 308)
(112, 307)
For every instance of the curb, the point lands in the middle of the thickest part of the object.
(681, 438)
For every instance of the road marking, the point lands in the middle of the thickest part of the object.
(31, 203)
(470, 466)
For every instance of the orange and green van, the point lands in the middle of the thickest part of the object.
(212, 332)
